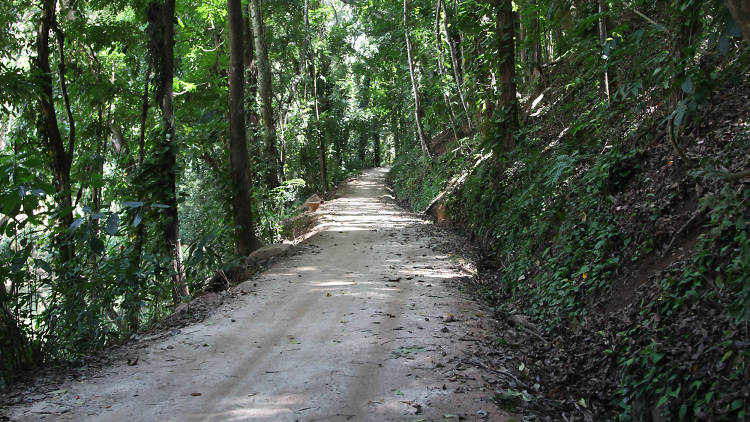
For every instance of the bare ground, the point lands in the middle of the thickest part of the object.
(365, 322)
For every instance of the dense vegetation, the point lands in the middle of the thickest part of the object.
(597, 150)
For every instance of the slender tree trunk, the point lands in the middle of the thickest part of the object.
(602, 6)
(282, 142)
(251, 85)
(321, 141)
(61, 160)
(376, 144)
(456, 65)
(266, 95)
(507, 73)
(365, 128)
(246, 241)
(144, 115)
(441, 67)
(314, 78)
(161, 16)
(418, 112)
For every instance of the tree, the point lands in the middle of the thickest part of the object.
(246, 241)
(507, 114)
(266, 94)
(310, 57)
(161, 29)
(61, 159)
(418, 111)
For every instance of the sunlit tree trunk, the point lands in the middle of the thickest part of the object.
(245, 239)
(418, 112)
(271, 154)
(508, 106)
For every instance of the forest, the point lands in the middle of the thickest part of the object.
(596, 152)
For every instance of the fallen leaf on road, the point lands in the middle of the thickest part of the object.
(192, 394)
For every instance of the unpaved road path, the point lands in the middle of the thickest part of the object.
(363, 323)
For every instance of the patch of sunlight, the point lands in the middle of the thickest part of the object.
(334, 283)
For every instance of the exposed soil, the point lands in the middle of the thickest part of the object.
(364, 322)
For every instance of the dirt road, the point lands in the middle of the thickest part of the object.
(363, 323)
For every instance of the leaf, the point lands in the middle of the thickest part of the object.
(76, 224)
(17, 263)
(687, 85)
(683, 411)
(723, 44)
(40, 263)
(679, 114)
(113, 223)
(96, 245)
(160, 206)
(10, 204)
(662, 400)
(132, 204)
(137, 220)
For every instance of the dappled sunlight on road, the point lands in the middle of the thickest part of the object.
(350, 327)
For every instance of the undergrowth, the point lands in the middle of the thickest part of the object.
(555, 219)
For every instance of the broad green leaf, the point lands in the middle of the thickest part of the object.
(113, 223)
(17, 263)
(40, 263)
(687, 86)
(76, 224)
(679, 114)
(723, 44)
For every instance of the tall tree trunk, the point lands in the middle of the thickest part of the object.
(266, 95)
(418, 112)
(508, 118)
(61, 160)
(314, 78)
(364, 104)
(456, 65)
(251, 85)
(246, 241)
(441, 67)
(282, 143)
(144, 115)
(376, 144)
(602, 26)
(161, 16)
